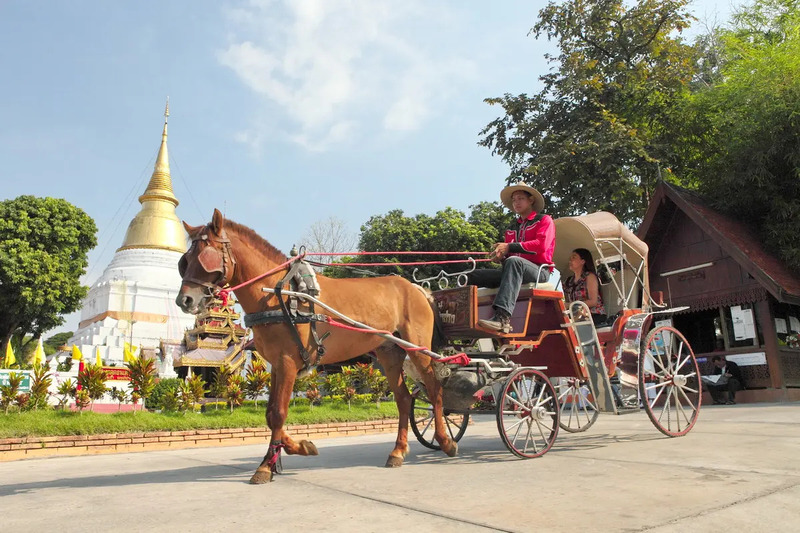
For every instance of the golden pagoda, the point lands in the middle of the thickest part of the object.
(157, 226)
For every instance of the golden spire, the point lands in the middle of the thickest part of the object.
(157, 225)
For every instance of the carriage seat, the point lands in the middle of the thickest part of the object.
(485, 291)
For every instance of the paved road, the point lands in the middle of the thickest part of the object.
(739, 469)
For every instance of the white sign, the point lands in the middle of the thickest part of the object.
(780, 326)
(794, 324)
(743, 323)
(748, 359)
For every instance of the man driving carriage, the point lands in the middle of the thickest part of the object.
(527, 245)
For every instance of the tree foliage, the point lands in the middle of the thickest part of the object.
(603, 128)
(751, 120)
(43, 247)
(449, 230)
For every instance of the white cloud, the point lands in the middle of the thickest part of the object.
(328, 70)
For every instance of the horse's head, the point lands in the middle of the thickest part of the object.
(206, 267)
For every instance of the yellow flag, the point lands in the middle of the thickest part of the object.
(98, 361)
(39, 358)
(10, 359)
(76, 353)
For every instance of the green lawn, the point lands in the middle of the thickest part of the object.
(52, 423)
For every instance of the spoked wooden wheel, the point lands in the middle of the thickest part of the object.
(423, 425)
(527, 413)
(669, 381)
(577, 408)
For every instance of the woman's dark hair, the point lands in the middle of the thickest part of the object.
(586, 255)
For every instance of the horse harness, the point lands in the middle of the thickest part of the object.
(302, 278)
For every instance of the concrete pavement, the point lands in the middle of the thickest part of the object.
(739, 469)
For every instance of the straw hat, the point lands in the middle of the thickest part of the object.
(538, 199)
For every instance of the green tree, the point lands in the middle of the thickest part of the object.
(52, 344)
(601, 131)
(43, 247)
(449, 230)
(751, 123)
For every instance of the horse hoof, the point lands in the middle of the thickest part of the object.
(394, 462)
(261, 477)
(453, 450)
(308, 448)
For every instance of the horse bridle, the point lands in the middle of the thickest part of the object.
(211, 261)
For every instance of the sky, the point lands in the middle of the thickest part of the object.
(283, 113)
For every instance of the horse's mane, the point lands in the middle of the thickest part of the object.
(256, 240)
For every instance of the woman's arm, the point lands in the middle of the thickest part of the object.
(593, 288)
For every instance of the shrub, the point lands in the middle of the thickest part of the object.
(40, 383)
(66, 390)
(22, 401)
(82, 399)
(120, 396)
(257, 379)
(162, 387)
(8, 393)
(143, 375)
(375, 383)
(92, 379)
(342, 384)
(191, 392)
(234, 392)
(220, 383)
(169, 400)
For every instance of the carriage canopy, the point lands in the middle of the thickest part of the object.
(611, 243)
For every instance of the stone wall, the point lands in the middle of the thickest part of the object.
(32, 447)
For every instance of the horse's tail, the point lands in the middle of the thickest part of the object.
(439, 339)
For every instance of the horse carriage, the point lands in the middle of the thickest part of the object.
(554, 370)
(557, 368)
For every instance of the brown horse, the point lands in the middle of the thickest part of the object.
(224, 252)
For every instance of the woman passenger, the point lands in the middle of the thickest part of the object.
(584, 285)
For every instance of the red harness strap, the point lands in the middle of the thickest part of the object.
(223, 293)
(459, 358)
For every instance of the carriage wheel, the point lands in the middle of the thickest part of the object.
(577, 412)
(669, 381)
(527, 413)
(422, 422)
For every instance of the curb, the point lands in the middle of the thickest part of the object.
(14, 449)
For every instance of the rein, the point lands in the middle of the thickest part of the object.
(224, 293)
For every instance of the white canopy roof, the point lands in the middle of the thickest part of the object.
(600, 233)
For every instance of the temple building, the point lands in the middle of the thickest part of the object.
(216, 339)
(133, 301)
(740, 300)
